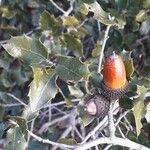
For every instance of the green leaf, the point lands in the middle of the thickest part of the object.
(128, 62)
(100, 14)
(69, 68)
(42, 92)
(141, 16)
(84, 9)
(96, 79)
(145, 71)
(37, 73)
(75, 91)
(136, 26)
(126, 102)
(7, 12)
(146, 4)
(96, 51)
(122, 4)
(85, 118)
(5, 60)
(3, 127)
(116, 38)
(32, 51)
(139, 108)
(98, 10)
(49, 22)
(87, 1)
(73, 43)
(70, 21)
(15, 140)
(144, 81)
(129, 68)
(22, 124)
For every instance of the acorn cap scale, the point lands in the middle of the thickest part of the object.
(97, 105)
(113, 94)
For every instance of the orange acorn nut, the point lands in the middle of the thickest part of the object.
(114, 83)
(114, 73)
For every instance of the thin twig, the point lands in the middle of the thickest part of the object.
(103, 47)
(122, 116)
(50, 142)
(78, 133)
(64, 135)
(122, 134)
(17, 99)
(108, 146)
(65, 13)
(59, 8)
(50, 112)
(31, 129)
(10, 105)
(126, 120)
(60, 103)
(46, 125)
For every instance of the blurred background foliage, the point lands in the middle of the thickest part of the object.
(79, 35)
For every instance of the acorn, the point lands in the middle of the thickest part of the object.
(97, 105)
(114, 84)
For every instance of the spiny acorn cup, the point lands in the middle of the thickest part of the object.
(97, 105)
(114, 84)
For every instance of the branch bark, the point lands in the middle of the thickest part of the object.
(114, 141)
(103, 140)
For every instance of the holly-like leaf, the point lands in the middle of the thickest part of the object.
(15, 140)
(32, 51)
(141, 16)
(70, 21)
(139, 108)
(70, 68)
(49, 22)
(42, 89)
(104, 17)
(98, 10)
(128, 62)
(73, 43)
(100, 14)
